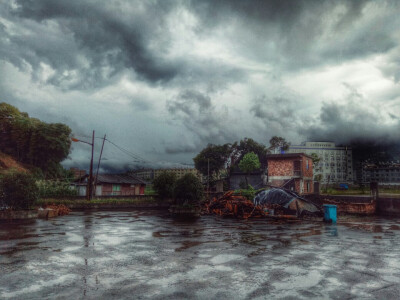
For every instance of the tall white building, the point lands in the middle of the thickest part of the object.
(336, 163)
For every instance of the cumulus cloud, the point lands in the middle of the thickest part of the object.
(354, 120)
(164, 78)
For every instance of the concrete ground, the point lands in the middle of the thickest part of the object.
(137, 254)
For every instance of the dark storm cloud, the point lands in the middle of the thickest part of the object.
(181, 149)
(208, 62)
(88, 43)
(190, 102)
(107, 41)
(299, 34)
(204, 121)
(365, 132)
(275, 111)
(348, 123)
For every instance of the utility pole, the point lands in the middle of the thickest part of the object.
(90, 182)
(98, 165)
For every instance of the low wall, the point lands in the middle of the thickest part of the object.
(339, 198)
(107, 203)
(129, 197)
(388, 206)
(111, 206)
(18, 214)
(347, 204)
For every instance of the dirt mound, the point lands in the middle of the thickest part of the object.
(7, 163)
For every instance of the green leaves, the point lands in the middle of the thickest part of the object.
(249, 162)
(18, 190)
(32, 141)
(164, 184)
(278, 143)
(214, 157)
(188, 190)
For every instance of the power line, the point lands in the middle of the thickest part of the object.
(127, 152)
(137, 158)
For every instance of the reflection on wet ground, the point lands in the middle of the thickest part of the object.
(136, 254)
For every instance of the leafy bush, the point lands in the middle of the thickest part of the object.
(18, 190)
(249, 193)
(164, 184)
(188, 190)
(48, 189)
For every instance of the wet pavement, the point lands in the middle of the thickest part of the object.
(136, 254)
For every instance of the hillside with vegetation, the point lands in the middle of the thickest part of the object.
(9, 164)
(27, 141)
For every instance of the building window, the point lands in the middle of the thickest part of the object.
(307, 164)
(116, 189)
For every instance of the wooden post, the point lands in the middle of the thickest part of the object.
(90, 182)
(98, 165)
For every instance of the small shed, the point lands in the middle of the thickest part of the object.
(237, 179)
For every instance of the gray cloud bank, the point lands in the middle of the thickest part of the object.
(165, 78)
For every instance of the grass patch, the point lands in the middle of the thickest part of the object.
(97, 201)
(332, 191)
(358, 191)
(149, 191)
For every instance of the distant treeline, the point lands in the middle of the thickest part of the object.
(32, 141)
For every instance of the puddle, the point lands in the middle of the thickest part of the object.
(120, 254)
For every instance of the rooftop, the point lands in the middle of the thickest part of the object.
(288, 155)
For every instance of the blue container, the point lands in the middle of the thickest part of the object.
(330, 214)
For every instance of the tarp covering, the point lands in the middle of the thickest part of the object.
(286, 199)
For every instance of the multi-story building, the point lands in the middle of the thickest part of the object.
(180, 172)
(385, 173)
(144, 174)
(335, 165)
(150, 174)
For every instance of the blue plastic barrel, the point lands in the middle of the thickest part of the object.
(330, 214)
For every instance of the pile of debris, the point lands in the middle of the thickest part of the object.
(52, 210)
(275, 202)
(282, 201)
(60, 208)
(230, 205)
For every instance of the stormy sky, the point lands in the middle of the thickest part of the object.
(164, 78)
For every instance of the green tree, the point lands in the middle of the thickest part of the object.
(188, 190)
(32, 141)
(247, 145)
(213, 158)
(315, 160)
(249, 163)
(18, 190)
(164, 184)
(278, 143)
(318, 177)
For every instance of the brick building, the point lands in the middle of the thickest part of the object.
(293, 171)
